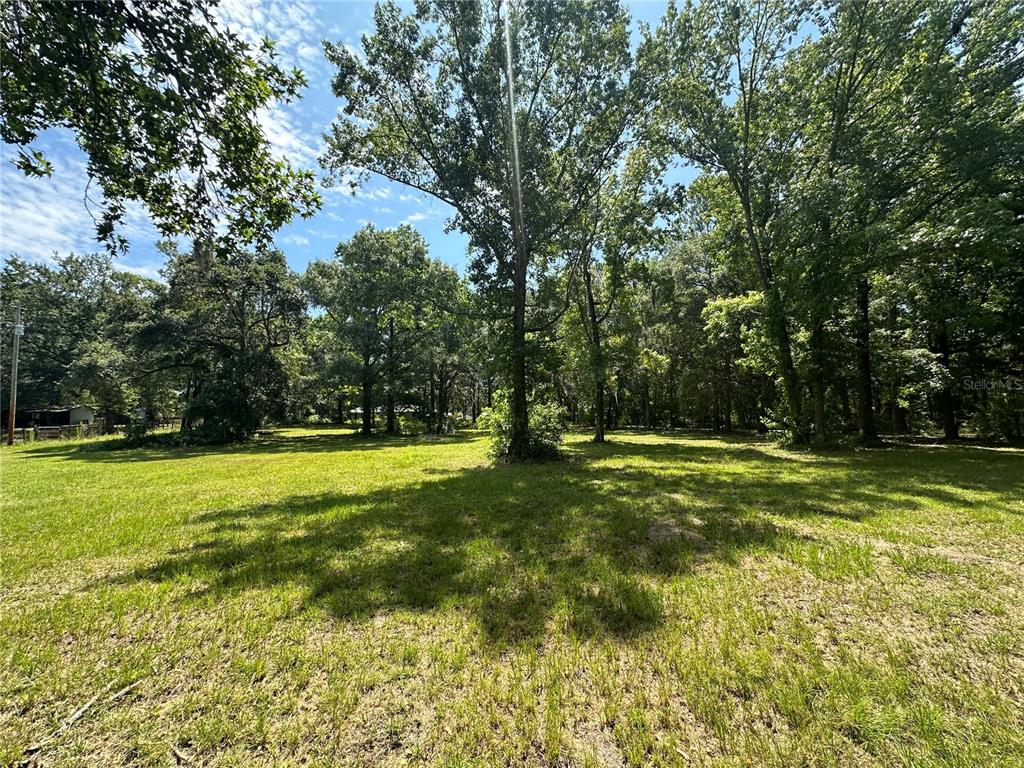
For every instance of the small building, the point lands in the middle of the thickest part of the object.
(62, 415)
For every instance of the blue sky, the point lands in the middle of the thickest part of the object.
(41, 217)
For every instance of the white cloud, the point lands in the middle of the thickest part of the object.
(286, 139)
(293, 26)
(150, 272)
(348, 190)
(43, 216)
(309, 55)
(295, 240)
(373, 193)
(412, 218)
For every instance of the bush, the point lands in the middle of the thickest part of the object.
(410, 425)
(238, 398)
(137, 431)
(547, 425)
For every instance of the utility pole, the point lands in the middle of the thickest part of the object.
(19, 330)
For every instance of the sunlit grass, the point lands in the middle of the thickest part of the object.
(318, 598)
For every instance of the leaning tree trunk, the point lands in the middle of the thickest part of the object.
(866, 398)
(777, 327)
(947, 400)
(596, 357)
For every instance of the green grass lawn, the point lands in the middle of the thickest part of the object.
(320, 599)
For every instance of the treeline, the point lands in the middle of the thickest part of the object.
(232, 345)
(385, 337)
(846, 261)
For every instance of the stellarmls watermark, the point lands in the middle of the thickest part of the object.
(1006, 384)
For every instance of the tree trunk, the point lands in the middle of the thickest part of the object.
(947, 400)
(780, 332)
(442, 405)
(392, 423)
(673, 400)
(186, 418)
(844, 403)
(432, 412)
(818, 387)
(777, 326)
(818, 384)
(392, 427)
(367, 428)
(519, 443)
(900, 425)
(596, 356)
(866, 399)
(108, 420)
(727, 405)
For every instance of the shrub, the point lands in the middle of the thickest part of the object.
(137, 431)
(547, 425)
(410, 425)
(238, 398)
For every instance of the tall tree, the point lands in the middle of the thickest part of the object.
(72, 306)
(601, 241)
(221, 324)
(719, 69)
(372, 292)
(461, 99)
(890, 135)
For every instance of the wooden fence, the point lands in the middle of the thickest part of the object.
(78, 431)
(27, 434)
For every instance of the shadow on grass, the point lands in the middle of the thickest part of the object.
(805, 481)
(117, 450)
(588, 543)
(514, 547)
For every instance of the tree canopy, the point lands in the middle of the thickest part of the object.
(842, 263)
(165, 103)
